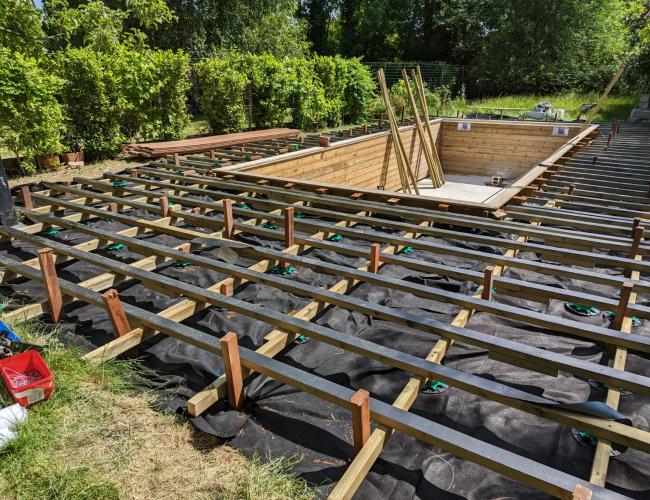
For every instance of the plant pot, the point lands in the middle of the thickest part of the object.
(73, 156)
(49, 162)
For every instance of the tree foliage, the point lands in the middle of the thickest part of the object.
(30, 116)
(209, 27)
(114, 97)
(20, 27)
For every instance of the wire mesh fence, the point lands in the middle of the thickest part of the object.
(434, 74)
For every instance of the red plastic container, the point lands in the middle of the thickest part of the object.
(27, 377)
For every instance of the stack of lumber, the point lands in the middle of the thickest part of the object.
(201, 144)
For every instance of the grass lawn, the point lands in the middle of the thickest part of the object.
(98, 437)
(615, 107)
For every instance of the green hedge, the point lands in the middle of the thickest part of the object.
(31, 122)
(112, 98)
(304, 93)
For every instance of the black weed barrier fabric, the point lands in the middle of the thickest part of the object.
(280, 421)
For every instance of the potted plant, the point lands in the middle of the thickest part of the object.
(75, 152)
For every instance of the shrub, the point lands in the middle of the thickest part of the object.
(309, 104)
(30, 116)
(331, 73)
(360, 90)
(112, 97)
(92, 102)
(272, 83)
(222, 94)
(154, 85)
(306, 93)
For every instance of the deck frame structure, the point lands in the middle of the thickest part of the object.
(574, 238)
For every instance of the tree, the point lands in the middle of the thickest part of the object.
(30, 116)
(542, 46)
(20, 27)
(208, 27)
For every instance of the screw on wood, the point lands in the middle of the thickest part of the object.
(51, 282)
(228, 221)
(232, 368)
(360, 418)
(116, 312)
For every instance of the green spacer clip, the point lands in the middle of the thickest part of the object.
(335, 237)
(114, 246)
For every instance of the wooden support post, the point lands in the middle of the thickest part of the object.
(228, 221)
(226, 288)
(177, 160)
(27, 197)
(375, 251)
(112, 207)
(51, 282)
(289, 238)
(594, 160)
(115, 310)
(134, 173)
(582, 493)
(232, 368)
(443, 207)
(623, 301)
(488, 280)
(636, 223)
(356, 196)
(637, 236)
(360, 418)
(213, 154)
(189, 173)
(164, 206)
(609, 140)
(289, 185)
(572, 188)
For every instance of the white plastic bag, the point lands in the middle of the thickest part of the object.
(10, 417)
